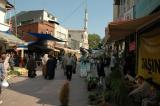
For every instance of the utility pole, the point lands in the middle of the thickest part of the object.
(15, 18)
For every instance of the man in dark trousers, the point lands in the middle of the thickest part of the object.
(69, 66)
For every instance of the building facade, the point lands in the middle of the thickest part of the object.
(40, 21)
(123, 10)
(134, 19)
(34, 16)
(4, 7)
(38, 27)
(7, 40)
(62, 34)
(146, 7)
(77, 39)
(132, 9)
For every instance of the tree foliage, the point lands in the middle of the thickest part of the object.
(93, 40)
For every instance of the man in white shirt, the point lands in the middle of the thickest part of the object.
(69, 65)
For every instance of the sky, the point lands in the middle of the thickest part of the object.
(70, 13)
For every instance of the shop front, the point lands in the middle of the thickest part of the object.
(149, 50)
(128, 32)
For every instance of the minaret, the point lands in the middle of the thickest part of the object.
(85, 39)
(86, 17)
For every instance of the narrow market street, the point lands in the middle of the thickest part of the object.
(40, 92)
(80, 53)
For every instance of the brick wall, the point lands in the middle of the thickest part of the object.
(40, 27)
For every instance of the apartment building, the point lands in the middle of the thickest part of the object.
(123, 10)
(43, 22)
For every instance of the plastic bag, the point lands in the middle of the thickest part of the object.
(4, 83)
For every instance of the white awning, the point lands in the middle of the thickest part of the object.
(10, 38)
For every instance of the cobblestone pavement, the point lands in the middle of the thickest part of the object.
(40, 92)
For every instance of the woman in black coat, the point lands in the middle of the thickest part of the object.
(51, 65)
(31, 66)
(100, 68)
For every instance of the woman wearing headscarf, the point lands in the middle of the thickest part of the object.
(44, 62)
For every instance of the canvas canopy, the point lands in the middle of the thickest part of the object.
(45, 37)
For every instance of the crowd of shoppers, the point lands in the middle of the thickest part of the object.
(143, 90)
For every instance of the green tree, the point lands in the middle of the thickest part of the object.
(93, 40)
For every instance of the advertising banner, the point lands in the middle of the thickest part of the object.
(149, 56)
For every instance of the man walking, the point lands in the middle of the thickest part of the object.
(69, 65)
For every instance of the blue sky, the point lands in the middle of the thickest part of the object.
(70, 13)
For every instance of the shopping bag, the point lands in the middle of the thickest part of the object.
(4, 83)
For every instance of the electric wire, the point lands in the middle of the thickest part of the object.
(73, 12)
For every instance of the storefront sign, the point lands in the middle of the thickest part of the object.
(149, 57)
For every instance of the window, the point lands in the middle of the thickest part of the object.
(49, 16)
(82, 36)
(47, 31)
(69, 36)
(27, 21)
